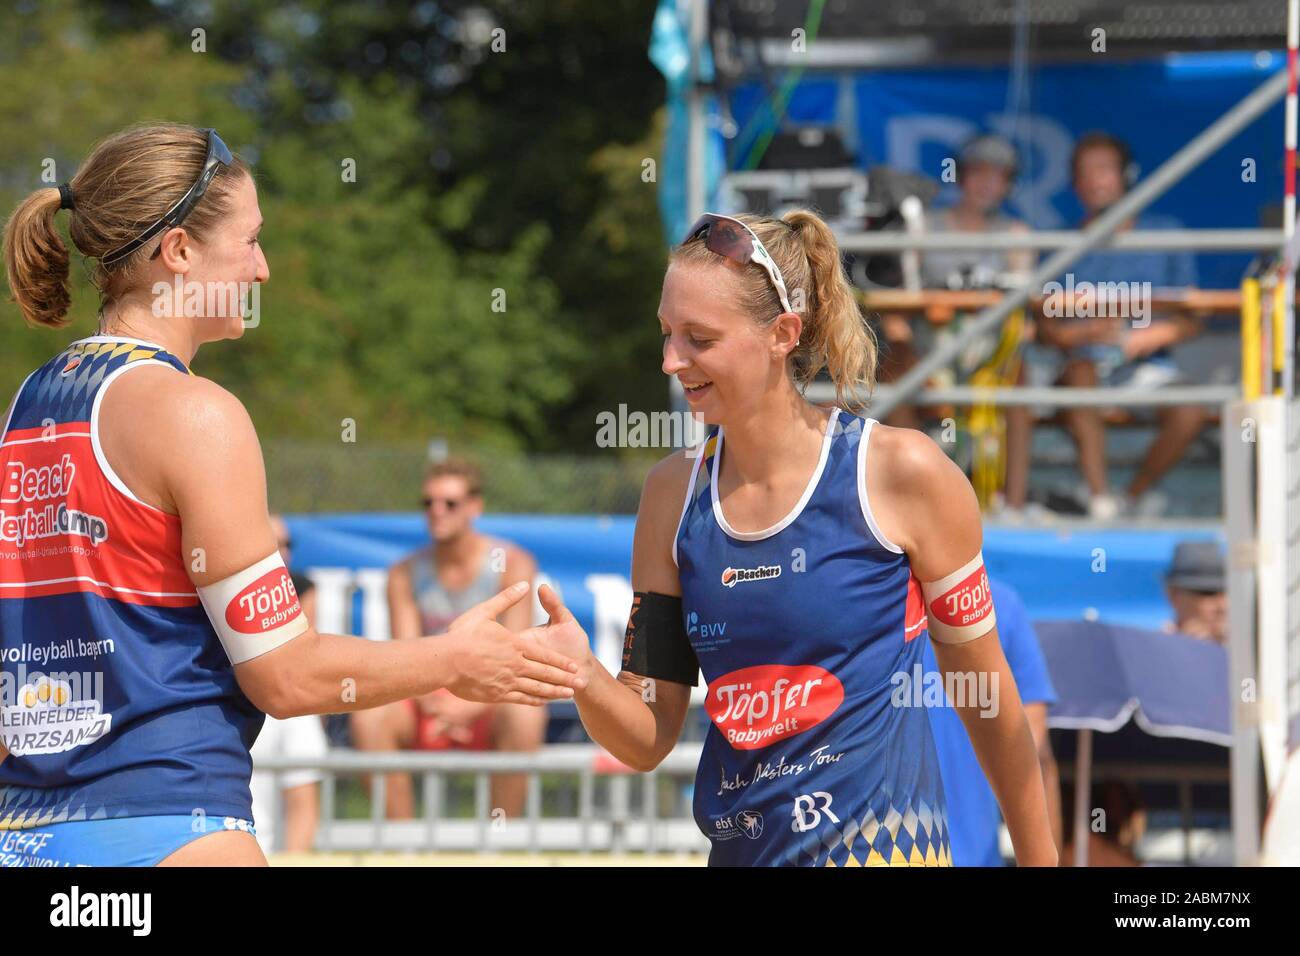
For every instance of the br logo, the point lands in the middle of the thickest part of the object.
(807, 813)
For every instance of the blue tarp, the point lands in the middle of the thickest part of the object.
(1170, 685)
(1115, 575)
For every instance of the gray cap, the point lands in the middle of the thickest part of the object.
(1197, 566)
(992, 149)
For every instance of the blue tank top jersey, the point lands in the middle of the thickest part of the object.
(116, 696)
(802, 631)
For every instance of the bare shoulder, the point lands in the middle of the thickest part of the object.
(919, 495)
(665, 484)
(909, 461)
(160, 429)
(164, 403)
(519, 561)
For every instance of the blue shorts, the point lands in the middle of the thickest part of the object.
(125, 841)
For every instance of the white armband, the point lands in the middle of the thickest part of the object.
(959, 606)
(255, 610)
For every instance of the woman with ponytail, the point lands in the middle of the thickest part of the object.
(135, 545)
(799, 569)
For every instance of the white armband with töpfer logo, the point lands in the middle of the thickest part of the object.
(254, 610)
(959, 606)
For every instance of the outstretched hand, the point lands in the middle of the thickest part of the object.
(563, 633)
(492, 664)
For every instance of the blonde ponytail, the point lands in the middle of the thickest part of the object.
(837, 336)
(36, 260)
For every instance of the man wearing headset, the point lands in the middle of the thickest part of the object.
(1098, 339)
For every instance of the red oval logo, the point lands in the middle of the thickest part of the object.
(964, 603)
(755, 707)
(264, 604)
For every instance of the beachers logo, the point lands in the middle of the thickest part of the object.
(733, 576)
(755, 707)
(966, 602)
(265, 604)
(48, 717)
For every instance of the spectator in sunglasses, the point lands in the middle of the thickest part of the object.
(1196, 587)
(431, 588)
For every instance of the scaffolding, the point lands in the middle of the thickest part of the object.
(1261, 473)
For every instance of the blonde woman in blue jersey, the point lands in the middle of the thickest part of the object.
(799, 557)
(135, 545)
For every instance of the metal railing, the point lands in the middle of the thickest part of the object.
(629, 822)
(1194, 240)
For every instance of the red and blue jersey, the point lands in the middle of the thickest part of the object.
(806, 632)
(116, 696)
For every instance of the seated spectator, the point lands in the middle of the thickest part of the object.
(426, 592)
(1084, 349)
(1116, 821)
(973, 813)
(1197, 589)
(986, 172)
(297, 738)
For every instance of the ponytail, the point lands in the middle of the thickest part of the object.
(836, 335)
(36, 260)
(128, 180)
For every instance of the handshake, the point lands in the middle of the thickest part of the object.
(492, 664)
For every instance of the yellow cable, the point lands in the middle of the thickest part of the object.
(1251, 308)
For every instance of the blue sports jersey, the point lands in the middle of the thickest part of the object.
(973, 812)
(116, 696)
(801, 630)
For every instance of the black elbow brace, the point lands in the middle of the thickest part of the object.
(656, 644)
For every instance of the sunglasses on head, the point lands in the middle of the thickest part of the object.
(733, 240)
(219, 157)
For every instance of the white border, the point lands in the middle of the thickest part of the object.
(102, 584)
(104, 466)
(1132, 709)
(862, 489)
(690, 494)
(798, 508)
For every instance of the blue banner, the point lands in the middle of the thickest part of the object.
(915, 119)
(1114, 576)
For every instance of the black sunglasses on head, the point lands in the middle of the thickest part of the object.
(219, 156)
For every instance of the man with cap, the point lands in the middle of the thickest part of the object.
(986, 171)
(1196, 587)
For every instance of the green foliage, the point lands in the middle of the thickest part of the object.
(480, 176)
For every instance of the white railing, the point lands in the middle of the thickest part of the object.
(630, 820)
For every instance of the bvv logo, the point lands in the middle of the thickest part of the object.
(694, 629)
